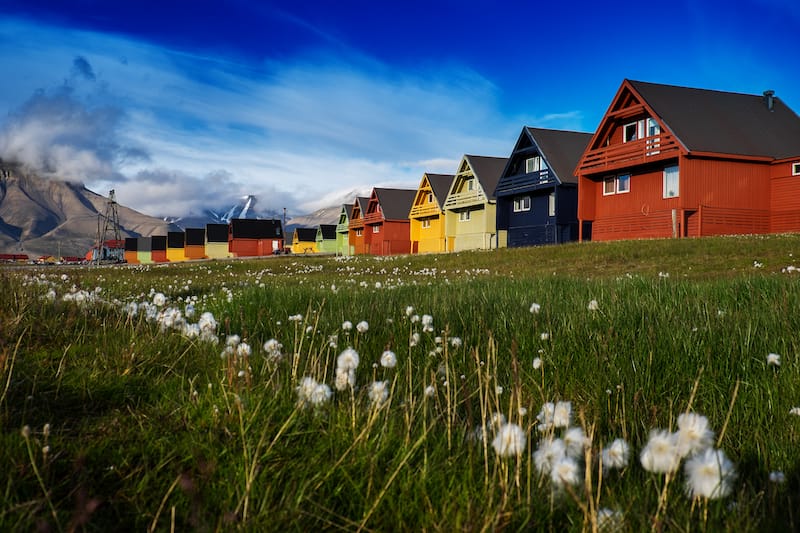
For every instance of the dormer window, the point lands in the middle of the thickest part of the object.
(535, 164)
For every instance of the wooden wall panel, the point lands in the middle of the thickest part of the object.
(719, 183)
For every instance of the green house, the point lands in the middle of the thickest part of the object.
(343, 231)
(327, 239)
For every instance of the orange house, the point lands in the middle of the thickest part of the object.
(670, 161)
(356, 237)
(387, 222)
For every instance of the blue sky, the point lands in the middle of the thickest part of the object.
(182, 105)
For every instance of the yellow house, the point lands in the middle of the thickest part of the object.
(304, 241)
(427, 214)
(470, 207)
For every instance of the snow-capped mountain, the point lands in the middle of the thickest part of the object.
(245, 208)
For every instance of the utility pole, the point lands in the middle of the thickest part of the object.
(110, 223)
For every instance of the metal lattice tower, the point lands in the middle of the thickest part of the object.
(109, 222)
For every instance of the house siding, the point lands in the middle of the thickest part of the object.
(784, 198)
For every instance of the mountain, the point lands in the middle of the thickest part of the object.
(52, 217)
(246, 208)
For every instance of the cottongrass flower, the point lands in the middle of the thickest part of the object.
(243, 350)
(535, 308)
(362, 327)
(576, 441)
(693, 434)
(388, 359)
(455, 342)
(296, 318)
(566, 472)
(159, 299)
(273, 349)
(347, 325)
(661, 452)
(497, 420)
(348, 359)
(409, 311)
(311, 393)
(537, 363)
(709, 474)
(344, 379)
(378, 392)
(414, 339)
(509, 440)
(562, 414)
(777, 477)
(610, 520)
(593, 305)
(545, 416)
(232, 340)
(616, 455)
(550, 451)
(794, 411)
(427, 323)
(773, 359)
(545, 336)
(430, 391)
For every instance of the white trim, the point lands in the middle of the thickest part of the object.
(796, 169)
(612, 180)
(464, 216)
(376, 228)
(522, 203)
(425, 223)
(618, 181)
(670, 193)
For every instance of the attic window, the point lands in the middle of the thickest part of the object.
(631, 132)
(470, 185)
(430, 197)
(535, 164)
(795, 169)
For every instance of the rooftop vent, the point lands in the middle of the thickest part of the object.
(769, 99)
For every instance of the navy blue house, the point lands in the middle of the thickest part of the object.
(537, 195)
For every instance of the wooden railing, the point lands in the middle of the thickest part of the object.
(424, 210)
(523, 181)
(373, 218)
(629, 154)
(464, 199)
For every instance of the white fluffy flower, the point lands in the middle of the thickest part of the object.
(660, 454)
(545, 416)
(409, 310)
(430, 391)
(709, 474)
(565, 471)
(576, 442)
(509, 440)
(388, 359)
(616, 454)
(347, 325)
(347, 360)
(320, 395)
(693, 434)
(159, 299)
(550, 451)
(562, 414)
(609, 520)
(777, 477)
(345, 379)
(378, 392)
(243, 350)
(593, 305)
(362, 327)
(232, 340)
(535, 308)
(545, 336)
(794, 411)
(537, 363)
(773, 359)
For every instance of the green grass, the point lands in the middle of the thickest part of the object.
(153, 430)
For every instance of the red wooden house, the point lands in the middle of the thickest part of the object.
(356, 237)
(387, 222)
(671, 161)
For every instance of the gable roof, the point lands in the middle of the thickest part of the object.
(395, 203)
(305, 234)
(440, 185)
(723, 122)
(348, 211)
(328, 231)
(363, 202)
(560, 149)
(488, 171)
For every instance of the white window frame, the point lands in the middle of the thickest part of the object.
(551, 204)
(616, 182)
(522, 203)
(359, 232)
(634, 126)
(426, 223)
(376, 228)
(464, 216)
(535, 164)
(666, 190)
(796, 169)
(471, 184)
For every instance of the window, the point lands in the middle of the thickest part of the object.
(426, 223)
(630, 132)
(795, 169)
(359, 232)
(430, 197)
(617, 184)
(551, 204)
(376, 229)
(535, 164)
(470, 185)
(522, 203)
(463, 216)
(671, 182)
(623, 183)
(653, 128)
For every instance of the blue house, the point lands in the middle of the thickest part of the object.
(537, 195)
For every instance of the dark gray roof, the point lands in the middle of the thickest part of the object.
(363, 202)
(348, 209)
(306, 234)
(561, 149)
(328, 231)
(395, 203)
(488, 171)
(440, 185)
(722, 122)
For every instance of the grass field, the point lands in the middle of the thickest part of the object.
(653, 385)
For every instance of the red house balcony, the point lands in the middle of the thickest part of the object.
(373, 218)
(629, 154)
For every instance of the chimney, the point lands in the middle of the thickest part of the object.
(769, 99)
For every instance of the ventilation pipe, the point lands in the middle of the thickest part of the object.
(769, 99)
